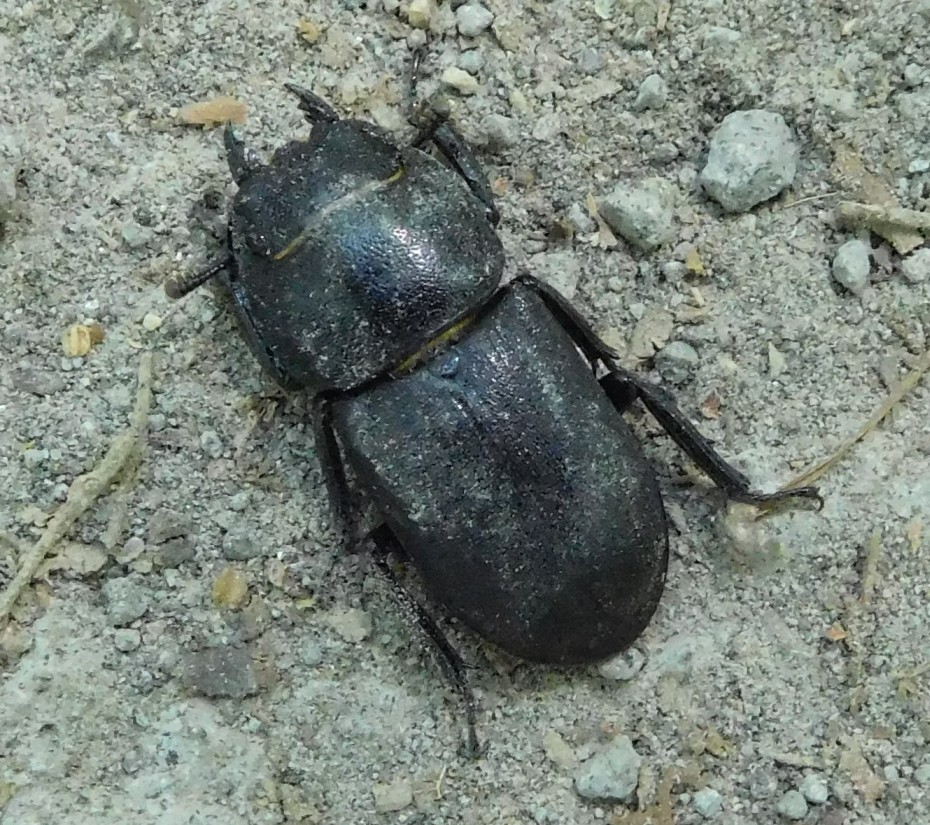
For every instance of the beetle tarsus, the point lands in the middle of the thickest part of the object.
(313, 106)
(448, 657)
(179, 286)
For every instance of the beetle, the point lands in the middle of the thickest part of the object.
(481, 418)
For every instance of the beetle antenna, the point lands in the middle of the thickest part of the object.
(181, 285)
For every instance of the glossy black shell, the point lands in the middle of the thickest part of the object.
(352, 253)
(516, 488)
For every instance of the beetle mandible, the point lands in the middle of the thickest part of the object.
(482, 420)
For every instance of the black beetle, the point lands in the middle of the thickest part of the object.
(471, 414)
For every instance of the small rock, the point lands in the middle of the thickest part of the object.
(916, 267)
(500, 131)
(151, 321)
(558, 750)
(792, 805)
(126, 640)
(239, 501)
(473, 19)
(838, 104)
(644, 214)
(231, 588)
(239, 544)
(420, 13)
(777, 361)
(652, 94)
(471, 61)
(135, 236)
(851, 266)
(651, 332)
(560, 270)
(311, 654)
(815, 789)
(676, 362)
(624, 666)
(37, 382)
(394, 796)
(708, 803)
(175, 552)
(580, 219)
(220, 672)
(34, 456)
(918, 166)
(922, 775)
(719, 37)
(752, 157)
(353, 625)
(167, 524)
(459, 80)
(211, 443)
(590, 61)
(126, 600)
(612, 774)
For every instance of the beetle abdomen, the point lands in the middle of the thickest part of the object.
(516, 489)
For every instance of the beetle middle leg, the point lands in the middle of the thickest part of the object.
(623, 386)
(449, 660)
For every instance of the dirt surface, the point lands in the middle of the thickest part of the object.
(205, 652)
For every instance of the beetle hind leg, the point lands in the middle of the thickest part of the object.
(313, 106)
(448, 658)
(623, 387)
(178, 286)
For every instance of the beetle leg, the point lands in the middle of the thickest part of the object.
(449, 660)
(243, 162)
(456, 150)
(180, 285)
(623, 386)
(334, 474)
(313, 106)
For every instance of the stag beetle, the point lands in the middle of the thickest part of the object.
(482, 420)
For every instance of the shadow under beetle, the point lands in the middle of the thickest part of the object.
(471, 414)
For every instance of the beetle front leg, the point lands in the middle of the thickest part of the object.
(315, 109)
(623, 387)
(449, 660)
(334, 475)
(243, 162)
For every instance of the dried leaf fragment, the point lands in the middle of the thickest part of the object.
(211, 112)
(231, 589)
(693, 262)
(309, 31)
(79, 339)
(836, 632)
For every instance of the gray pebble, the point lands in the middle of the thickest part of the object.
(473, 19)
(394, 796)
(752, 157)
(624, 666)
(922, 775)
(135, 236)
(37, 382)
(590, 61)
(719, 37)
(211, 443)
(353, 625)
(815, 788)
(851, 266)
(500, 131)
(126, 639)
(239, 501)
(33, 457)
(239, 545)
(643, 214)
(126, 600)
(612, 773)
(167, 524)
(311, 654)
(560, 270)
(471, 61)
(792, 805)
(674, 271)
(676, 362)
(652, 94)
(838, 104)
(175, 552)
(580, 219)
(220, 672)
(916, 267)
(708, 803)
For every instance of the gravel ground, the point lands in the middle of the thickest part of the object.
(202, 651)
